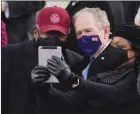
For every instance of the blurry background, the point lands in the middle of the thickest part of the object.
(60, 4)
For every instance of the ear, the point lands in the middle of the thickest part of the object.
(106, 32)
(35, 33)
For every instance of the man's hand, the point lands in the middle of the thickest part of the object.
(59, 68)
(39, 74)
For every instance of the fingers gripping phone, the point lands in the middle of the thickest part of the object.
(45, 53)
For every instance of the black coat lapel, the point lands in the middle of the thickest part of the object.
(30, 62)
(31, 56)
(97, 66)
(100, 64)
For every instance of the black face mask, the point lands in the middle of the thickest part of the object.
(49, 42)
(115, 56)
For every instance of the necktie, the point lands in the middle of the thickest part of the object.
(85, 71)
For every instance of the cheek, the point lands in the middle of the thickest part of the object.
(102, 39)
(131, 54)
(77, 37)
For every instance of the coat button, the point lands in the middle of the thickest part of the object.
(102, 58)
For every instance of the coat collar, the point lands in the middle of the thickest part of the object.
(31, 56)
(100, 64)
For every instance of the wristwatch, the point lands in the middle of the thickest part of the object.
(75, 84)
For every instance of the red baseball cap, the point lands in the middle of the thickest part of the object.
(53, 18)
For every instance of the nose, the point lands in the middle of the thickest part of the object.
(79, 36)
(83, 33)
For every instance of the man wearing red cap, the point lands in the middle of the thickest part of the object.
(54, 22)
(18, 60)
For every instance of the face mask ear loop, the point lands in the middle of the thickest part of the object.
(100, 32)
(131, 57)
(100, 39)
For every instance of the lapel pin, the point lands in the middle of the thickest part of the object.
(102, 58)
(73, 3)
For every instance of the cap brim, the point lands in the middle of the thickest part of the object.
(53, 27)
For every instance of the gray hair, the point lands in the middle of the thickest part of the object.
(98, 14)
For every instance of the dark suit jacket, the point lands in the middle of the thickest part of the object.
(21, 19)
(18, 60)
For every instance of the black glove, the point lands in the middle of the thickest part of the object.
(59, 68)
(38, 75)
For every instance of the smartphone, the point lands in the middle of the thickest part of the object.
(45, 53)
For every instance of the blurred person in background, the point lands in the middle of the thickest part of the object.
(22, 93)
(4, 40)
(19, 17)
(137, 18)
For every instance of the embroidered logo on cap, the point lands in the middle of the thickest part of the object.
(54, 18)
